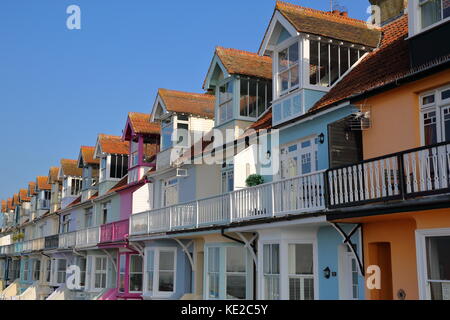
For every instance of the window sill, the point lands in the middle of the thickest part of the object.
(429, 28)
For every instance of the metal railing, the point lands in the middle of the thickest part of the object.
(51, 242)
(291, 196)
(87, 237)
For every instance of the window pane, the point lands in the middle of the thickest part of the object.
(284, 80)
(283, 60)
(430, 129)
(438, 258)
(244, 99)
(353, 56)
(236, 259)
(135, 263)
(166, 260)
(428, 99)
(445, 94)
(293, 54)
(300, 259)
(313, 62)
(236, 287)
(334, 62)
(113, 171)
(213, 260)
(214, 285)
(165, 281)
(324, 65)
(253, 97)
(294, 72)
(446, 116)
(136, 282)
(431, 12)
(226, 92)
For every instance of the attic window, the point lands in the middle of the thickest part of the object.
(433, 11)
(288, 68)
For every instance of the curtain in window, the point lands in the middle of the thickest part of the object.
(431, 12)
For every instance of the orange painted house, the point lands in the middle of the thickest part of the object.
(400, 193)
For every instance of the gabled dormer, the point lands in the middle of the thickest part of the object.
(184, 118)
(90, 167)
(43, 192)
(72, 181)
(311, 51)
(112, 153)
(24, 201)
(56, 184)
(144, 138)
(242, 84)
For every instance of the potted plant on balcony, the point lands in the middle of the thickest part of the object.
(254, 180)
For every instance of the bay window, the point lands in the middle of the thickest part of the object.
(100, 271)
(167, 132)
(226, 92)
(301, 272)
(119, 166)
(136, 273)
(271, 270)
(61, 266)
(433, 11)
(228, 272)
(160, 271)
(435, 116)
(288, 69)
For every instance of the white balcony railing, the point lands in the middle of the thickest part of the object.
(291, 196)
(87, 237)
(67, 240)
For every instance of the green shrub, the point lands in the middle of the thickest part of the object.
(254, 180)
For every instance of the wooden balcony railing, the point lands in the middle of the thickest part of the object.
(291, 196)
(113, 232)
(411, 173)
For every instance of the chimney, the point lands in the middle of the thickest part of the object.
(336, 12)
(344, 13)
(390, 9)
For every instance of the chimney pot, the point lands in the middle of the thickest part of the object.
(336, 12)
(344, 13)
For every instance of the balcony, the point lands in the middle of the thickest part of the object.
(67, 240)
(87, 237)
(51, 242)
(34, 245)
(408, 174)
(294, 196)
(114, 232)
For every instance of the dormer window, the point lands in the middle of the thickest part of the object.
(167, 131)
(72, 187)
(433, 11)
(113, 166)
(134, 153)
(256, 96)
(288, 68)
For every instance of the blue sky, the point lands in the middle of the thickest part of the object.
(59, 88)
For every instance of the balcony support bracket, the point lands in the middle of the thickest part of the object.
(249, 245)
(186, 251)
(136, 246)
(110, 258)
(348, 242)
(78, 253)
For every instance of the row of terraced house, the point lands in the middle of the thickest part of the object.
(345, 123)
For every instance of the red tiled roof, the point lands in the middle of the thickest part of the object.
(88, 155)
(23, 195)
(113, 144)
(4, 205)
(32, 188)
(70, 168)
(42, 183)
(200, 104)
(95, 195)
(119, 185)
(245, 63)
(383, 65)
(329, 24)
(53, 175)
(75, 202)
(263, 123)
(141, 124)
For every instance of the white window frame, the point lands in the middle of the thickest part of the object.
(165, 186)
(94, 271)
(226, 172)
(130, 272)
(263, 282)
(26, 269)
(312, 149)
(315, 266)
(33, 274)
(438, 106)
(232, 82)
(281, 47)
(421, 256)
(154, 292)
(56, 271)
(419, 16)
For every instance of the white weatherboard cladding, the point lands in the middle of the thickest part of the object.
(201, 124)
(142, 198)
(245, 165)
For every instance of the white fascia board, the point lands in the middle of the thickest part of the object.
(277, 17)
